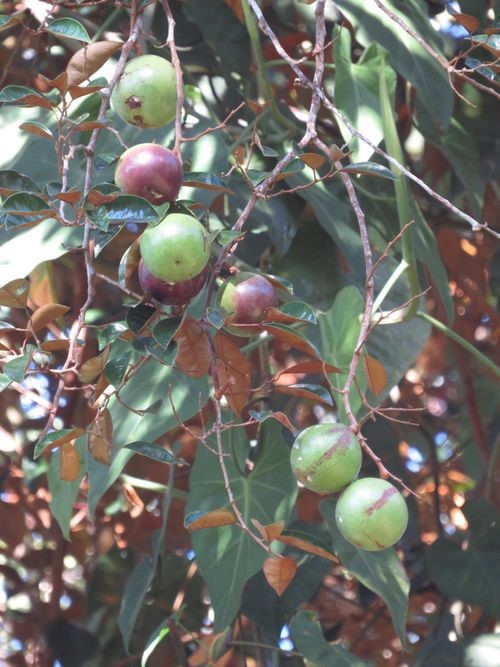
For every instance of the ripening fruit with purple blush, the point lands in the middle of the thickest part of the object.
(326, 457)
(246, 296)
(171, 294)
(150, 171)
(371, 514)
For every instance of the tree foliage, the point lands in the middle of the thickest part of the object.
(346, 151)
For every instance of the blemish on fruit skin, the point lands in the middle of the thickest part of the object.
(380, 502)
(133, 102)
(138, 120)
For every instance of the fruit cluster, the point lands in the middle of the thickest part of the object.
(174, 266)
(370, 513)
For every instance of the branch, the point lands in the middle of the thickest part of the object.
(178, 74)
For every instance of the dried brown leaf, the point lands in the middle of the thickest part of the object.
(134, 503)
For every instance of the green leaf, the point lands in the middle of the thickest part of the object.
(22, 96)
(150, 385)
(21, 251)
(155, 452)
(470, 574)
(12, 181)
(405, 54)
(116, 368)
(102, 238)
(138, 584)
(6, 20)
(22, 208)
(137, 316)
(62, 434)
(299, 310)
(266, 494)
(109, 333)
(64, 494)
(165, 330)
(15, 294)
(356, 92)
(68, 27)
(309, 640)
(340, 327)
(16, 368)
(4, 381)
(158, 634)
(129, 208)
(380, 571)
(370, 169)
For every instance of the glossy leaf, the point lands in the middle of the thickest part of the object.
(155, 638)
(37, 128)
(68, 27)
(280, 417)
(279, 572)
(370, 169)
(197, 519)
(316, 367)
(23, 208)
(56, 439)
(115, 368)
(155, 452)
(12, 181)
(312, 392)
(296, 339)
(138, 316)
(266, 494)
(26, 97)
(380, 571)
(165, 330)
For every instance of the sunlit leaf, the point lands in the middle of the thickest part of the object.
(92, 368)
(88, 60)
(313, 160)
(375, 373)
(299, 539)
(100, 437)
(68, 27)
(233, 372)
(69, 462)
(293, 337)
(312, 392)
(26, 97)
(270, 414)
(45, 315)
(155, 452)
(56, 439)
(37, 128)
(15, 294)
(315, 367)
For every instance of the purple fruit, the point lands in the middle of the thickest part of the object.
(246, 296)
(150, 171)
(171, 294)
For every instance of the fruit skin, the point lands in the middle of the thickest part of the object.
(146, 92)
(371, 514)
(150, 171)
(171, 294)
(246, 296)
(326, 457)
(175, 250)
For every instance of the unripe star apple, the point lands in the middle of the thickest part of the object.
(246, 296)
(171, 294)
(150, 171)
(326, 457)
(146, 93)
(371, 514)
(175, 250)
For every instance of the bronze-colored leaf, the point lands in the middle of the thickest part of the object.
(129, 263)
(96, 198)
(309, 367)
(70, 197)
(134, 502)
(256, 107)
(271, 531)
(101, 385)
(55, 345)
(69, 463)
(236, 8)
(90, 125)
(45, 315)
(470, 23)
(375, 374)
(313, 160)
(208, 186)
(193, 354)
(36, 129)
(233, 372)
(295, 339)
(14, 294)
(279, 571)
(60, 82)
(100, 437)
(87, 60)
(93, 367)
(311, 392)
(304, 545)
(196, 520)
(81, 91)
(212, 650)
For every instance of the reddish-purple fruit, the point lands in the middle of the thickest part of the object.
(326, 457)
(171, 294)
(150, 171)
(371, 514)
(246, 296)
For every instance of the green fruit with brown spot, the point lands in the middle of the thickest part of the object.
(326, 457)
(371, 514)
(146, 93)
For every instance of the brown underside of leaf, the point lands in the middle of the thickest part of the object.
(213, 519)
(46, 314)
(193, 354)
(233, 372)
(69, 463)
(88, 60)
(375, 374)
(93, 367)
(279, 572)
(306, 546)
(271, 531)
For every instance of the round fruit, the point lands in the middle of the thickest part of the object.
(150, 171)
(371, 514)
(146, 92)
(171, 294)
(175, 250)
(246, 296)
(326, 457)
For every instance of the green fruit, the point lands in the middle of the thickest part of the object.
(371, 514)
(326, 457)
(176, 249)
(146, 92)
